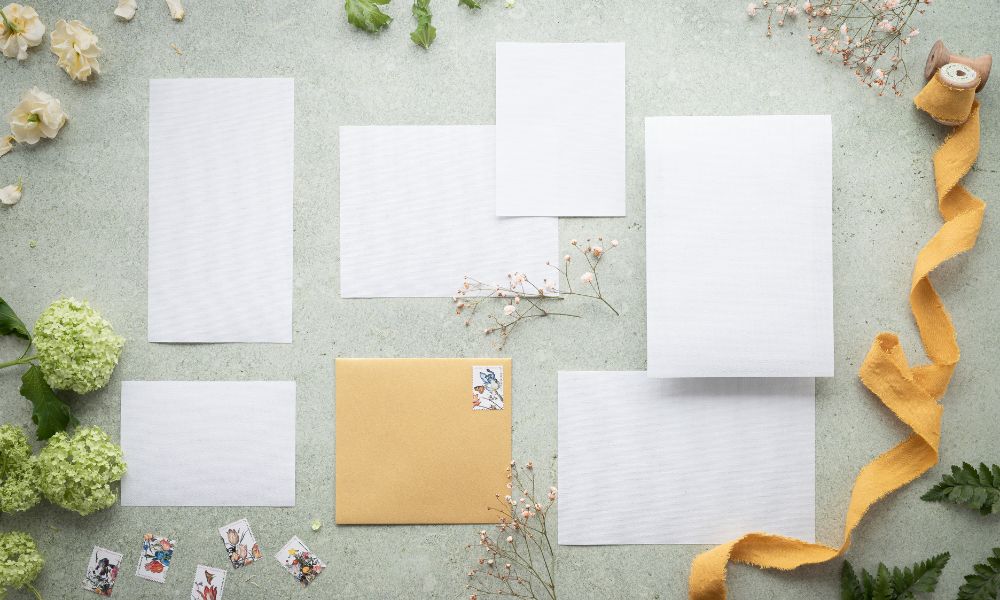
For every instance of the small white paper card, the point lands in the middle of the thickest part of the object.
(684, 461)
(208, 443)
(220, 210)
(739, 267)
(417, 214)
(560, 129)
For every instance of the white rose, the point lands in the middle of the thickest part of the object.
(126, 9)
(11, 194)
(20, 29)
(38, 116)
(77, 49)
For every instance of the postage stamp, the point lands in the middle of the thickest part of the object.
(241, 544)
(487, 388)
(154, 562)
(300, 562)
(102, 571)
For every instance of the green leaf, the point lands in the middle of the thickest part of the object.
(922, 577)
(897, 584)
(883, 584)
(425, 33)
(976, 488)
(50, 414)
(10, 324)
(868, 583)
(469, 3)
(984, 583)
(365, 14)
(850, 585)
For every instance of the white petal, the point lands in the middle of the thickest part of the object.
(11, 194)
(6, 143)
(126, 9)
(176, 10)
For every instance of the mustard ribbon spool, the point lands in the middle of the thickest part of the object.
(911, 393)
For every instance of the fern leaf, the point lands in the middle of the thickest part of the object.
(850, 585)
(883, 584)
(984, 582)
(977, 488)
(922, 577)
(895, 584)
(868, 584)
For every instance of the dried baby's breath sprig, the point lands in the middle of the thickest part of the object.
(520, 299)
(515, 557)
(867, 36)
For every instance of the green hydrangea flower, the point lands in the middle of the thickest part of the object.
(20, 561)
(77, 472)
(18, 471)
(77, 348)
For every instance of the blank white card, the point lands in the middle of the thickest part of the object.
(220, 210)
(417, 214)
(684, 461)
(208, 443)
(560, 130)
(739, 268)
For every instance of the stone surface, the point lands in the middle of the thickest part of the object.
(85, 206)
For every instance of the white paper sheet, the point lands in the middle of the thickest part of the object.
(208, 443)
(684, 461)
(220, 210)
(417, 214)
(560, 129)
(739, 268)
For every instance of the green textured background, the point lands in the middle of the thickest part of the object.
(85, 204)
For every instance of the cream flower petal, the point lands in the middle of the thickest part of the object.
(76, 46)
(176, 10)
(38, 116)
(20, 29)
(6, 144)
(126, 9)
(11, 194)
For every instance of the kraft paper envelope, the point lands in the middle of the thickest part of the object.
(421, 440)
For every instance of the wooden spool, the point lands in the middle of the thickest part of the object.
(940, 56)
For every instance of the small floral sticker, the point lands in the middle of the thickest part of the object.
(241, 544)
(157, 552)
(208, 583)
(487, 388)
(300, 562)
(102, 572)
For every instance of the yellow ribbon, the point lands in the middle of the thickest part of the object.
(912, 393)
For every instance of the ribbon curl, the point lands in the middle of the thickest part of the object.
(912, 393)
